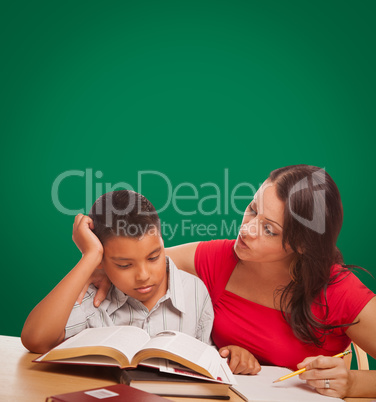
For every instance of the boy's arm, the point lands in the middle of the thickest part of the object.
(45, 326)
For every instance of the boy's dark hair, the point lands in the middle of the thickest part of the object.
(123, 213)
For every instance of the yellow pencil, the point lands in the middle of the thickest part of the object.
(285, 377)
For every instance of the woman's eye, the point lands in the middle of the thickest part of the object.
(268, 231)
(251, 210)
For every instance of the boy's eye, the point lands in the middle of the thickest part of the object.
(124, 266)
(154, 258)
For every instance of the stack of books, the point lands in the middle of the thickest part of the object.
(156, 382)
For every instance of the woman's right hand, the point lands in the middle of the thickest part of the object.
(84, 238)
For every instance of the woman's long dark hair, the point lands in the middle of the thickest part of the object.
(313, 218)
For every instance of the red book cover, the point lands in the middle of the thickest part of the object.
(112, 393)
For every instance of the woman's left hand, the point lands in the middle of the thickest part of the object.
(328, 375)
(240, 360)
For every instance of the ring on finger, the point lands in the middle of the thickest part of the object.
(326, 383)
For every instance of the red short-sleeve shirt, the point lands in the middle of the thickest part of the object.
(263, 330)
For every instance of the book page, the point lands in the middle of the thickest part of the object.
(188, 348)
(260, 387)
(127, 339)
(225, 375)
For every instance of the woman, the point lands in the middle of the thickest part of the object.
(281, 290)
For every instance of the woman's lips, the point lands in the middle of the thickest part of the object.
(241, 243)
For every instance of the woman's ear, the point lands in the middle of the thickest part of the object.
(300, 251)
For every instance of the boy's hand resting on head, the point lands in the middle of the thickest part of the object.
(320, 369)
(240, 360)
(84, 238)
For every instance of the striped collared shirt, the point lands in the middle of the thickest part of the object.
(186, 307)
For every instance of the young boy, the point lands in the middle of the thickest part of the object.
(122, 235)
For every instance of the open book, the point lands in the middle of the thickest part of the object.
(128, 346)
